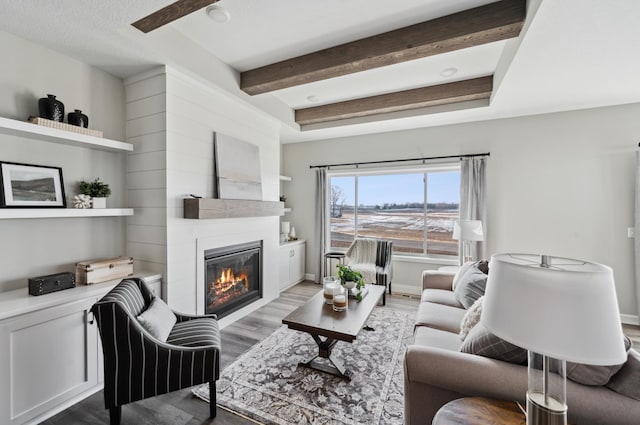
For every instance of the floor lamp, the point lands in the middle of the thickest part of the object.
(560, 310)
(467, 231)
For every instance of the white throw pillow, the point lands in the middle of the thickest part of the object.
(158, 319)
(471, 318)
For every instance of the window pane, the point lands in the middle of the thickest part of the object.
(341, 211)
(443, 201)
(392, 207)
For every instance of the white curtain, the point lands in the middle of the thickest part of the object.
(321, 220)
(473, 198)
(636, 241)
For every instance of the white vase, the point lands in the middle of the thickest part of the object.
(349, 284)
(98, 202)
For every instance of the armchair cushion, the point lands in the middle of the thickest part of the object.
(195, 333)
(158, 319)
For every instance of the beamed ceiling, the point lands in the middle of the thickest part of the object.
(338, 68)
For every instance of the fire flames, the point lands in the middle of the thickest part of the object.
(229, 285)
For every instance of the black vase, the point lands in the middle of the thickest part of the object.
(51, 109)
(78, 118)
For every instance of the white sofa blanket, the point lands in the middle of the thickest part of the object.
(361, 257)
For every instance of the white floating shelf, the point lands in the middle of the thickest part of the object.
(13, 213)
(285, 178)
(26, 129)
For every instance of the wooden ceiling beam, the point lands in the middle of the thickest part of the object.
(443, 94)
(484, 24)
(170, 13)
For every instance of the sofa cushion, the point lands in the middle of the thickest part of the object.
(471, 286)
(627, 380)
(461, 271)
(440, 316)
(436, 338)
(471, 318)
(440, 296)
(594, 375)
(158, 319)
(483, 343)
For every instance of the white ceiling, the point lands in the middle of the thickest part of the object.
(572, 54)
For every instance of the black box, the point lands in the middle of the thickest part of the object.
(51, 283)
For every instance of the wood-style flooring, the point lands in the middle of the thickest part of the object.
(181, 407)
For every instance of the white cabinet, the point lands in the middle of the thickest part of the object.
(47, 357)
(50, 351)
(292, 263)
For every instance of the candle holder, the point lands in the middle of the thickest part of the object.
(330, 285)
(340, 299)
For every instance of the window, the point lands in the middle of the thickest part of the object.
(396, 205)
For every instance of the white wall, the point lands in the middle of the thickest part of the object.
(560, 184)
(35, 247)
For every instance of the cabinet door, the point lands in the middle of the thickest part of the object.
(297, 264)
(283, 266)
(46, 358)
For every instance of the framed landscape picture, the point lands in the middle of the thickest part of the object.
(236, 169)
(26, 186)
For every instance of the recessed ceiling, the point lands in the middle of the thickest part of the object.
(571, 54)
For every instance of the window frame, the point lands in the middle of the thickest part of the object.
(424, 169)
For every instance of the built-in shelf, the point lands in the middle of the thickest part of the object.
(13, 213)
(54, 135)
(205, 208)
(285, 178)
(287, 210)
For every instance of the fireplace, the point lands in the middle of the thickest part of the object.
(233, 277)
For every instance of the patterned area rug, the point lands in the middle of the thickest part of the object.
(266, 384)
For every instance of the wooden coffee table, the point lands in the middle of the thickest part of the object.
(319, 320)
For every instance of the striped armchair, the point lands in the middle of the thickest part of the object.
(372, 258)
(139, 366)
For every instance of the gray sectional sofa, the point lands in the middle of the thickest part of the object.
(436, 372)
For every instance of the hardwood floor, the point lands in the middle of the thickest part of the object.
(181, 407)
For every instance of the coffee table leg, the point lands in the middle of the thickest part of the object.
(324, 350)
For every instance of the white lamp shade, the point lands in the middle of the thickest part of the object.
(468, 230)
(568, 310)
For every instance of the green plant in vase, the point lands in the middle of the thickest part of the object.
(98, 191)
(350, 279)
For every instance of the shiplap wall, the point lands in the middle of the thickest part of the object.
(171, 119)
(146, 171)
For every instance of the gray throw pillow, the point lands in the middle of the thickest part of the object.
(158, 319)
(627, 380)
(470, 286)
(594, 375)
(483, 343)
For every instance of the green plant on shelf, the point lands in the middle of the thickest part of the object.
(95, 189)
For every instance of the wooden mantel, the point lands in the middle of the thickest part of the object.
(205, 208)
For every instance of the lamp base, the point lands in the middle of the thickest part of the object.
(540, 413)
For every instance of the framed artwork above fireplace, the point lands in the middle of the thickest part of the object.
(237, 173)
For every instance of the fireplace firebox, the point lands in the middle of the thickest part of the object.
(233, 277)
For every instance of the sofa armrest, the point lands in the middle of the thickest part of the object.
(437, 279)
(437, 375)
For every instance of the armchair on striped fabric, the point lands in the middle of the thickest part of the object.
(150, 350)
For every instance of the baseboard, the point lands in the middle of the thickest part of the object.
(630, 319)
(398, 288)
(310, 276)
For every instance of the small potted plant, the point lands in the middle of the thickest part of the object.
(99, 191)
(350, 279)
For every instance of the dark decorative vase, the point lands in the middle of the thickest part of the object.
(51, 109)
(78, 118)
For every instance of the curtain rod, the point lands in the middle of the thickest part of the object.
(471, 155)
